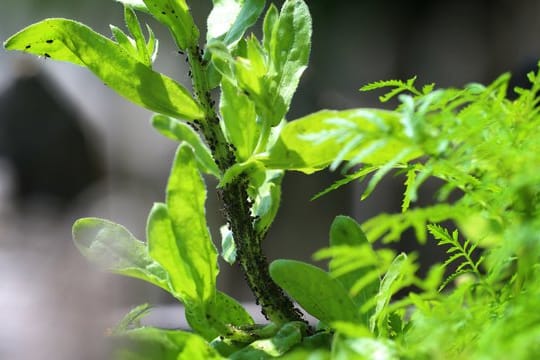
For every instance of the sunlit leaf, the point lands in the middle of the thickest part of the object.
(311, 143)
(229, 19)
(176, 16)
(186, 195)
(70, 41)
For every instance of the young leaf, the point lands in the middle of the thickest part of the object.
(249, 14)
(387, 289)
(135, 29)
(239, 117)
(228, 246)
(267, 200)
(186, 194)
(179, 131)
(166, 249)
(152, 45)
(222, 62)
(270, 20)
(176, 16)
(315, 290)
(290, 48)
(229, 19)
(113, 248)
(132, 319)
(127, 43)
(70, 41)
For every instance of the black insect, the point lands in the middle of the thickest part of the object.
(28, 47)
(47, 55)
(49, 41)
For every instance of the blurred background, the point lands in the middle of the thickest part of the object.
(70, 147)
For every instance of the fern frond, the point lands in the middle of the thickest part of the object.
(383, 170)
(459, 251)
(389, 227)
(359, 175)
(398, 85)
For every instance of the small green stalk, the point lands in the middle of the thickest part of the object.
(276, 306)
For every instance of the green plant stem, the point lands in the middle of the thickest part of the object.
(276, 306)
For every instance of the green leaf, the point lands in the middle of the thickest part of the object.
(176, 16)
(246, 18)
(228, 246)
(153, 343)
(169, 252)
(315, 290)
(229, 19)
(267, 200)
(290, 46)
(222, 61)
(270, 20)
(186, 194)
(127, 43)
(132, 319)
(113, 248)
(252, 168)
(152, 45)
(211, 319)
(222, 17)
(135, 29)
(70, 41)
(239, 117)
(179, 131)
(288, 336)
(227, 310)
(388, 286)
(311, 143)
(346, 231)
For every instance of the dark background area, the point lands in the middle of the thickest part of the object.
(45, 280)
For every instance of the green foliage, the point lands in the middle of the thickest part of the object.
(70, 41)
(479, 303)
(318, 293)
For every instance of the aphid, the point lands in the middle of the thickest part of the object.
(180, 52)
(47, 55)
(49, 41)
(164, 13)
(28, 47)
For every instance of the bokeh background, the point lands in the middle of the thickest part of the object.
(70, 147)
